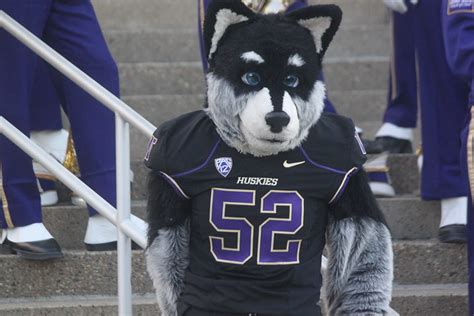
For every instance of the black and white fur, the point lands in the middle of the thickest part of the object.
(239, 41)
(240, 110)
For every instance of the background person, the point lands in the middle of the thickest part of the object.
(440, 94)
(400, 118)
(71, 28)
(458, 32)
(46, 130)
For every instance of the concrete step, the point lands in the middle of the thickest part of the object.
(361, 40)
(360, 12)
(360, 105)
(176, 45)
(166, 45)
(431, 299)
(410, 300)
(428, 261)
(408, 218)
(88, 305)
(78, 273)
(411, 218)
(85, 273)
(146, 14)
(367, 73)
(150, 14)
(403, 170)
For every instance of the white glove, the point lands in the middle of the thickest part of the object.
(399, 5)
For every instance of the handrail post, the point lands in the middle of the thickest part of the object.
(124, 252)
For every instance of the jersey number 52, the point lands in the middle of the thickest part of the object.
(266, 233)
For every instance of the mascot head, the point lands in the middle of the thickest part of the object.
(263, 88)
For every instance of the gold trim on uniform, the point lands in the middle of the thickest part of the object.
(393, 73)
(470, 154)
(202, 14)
(45, 176)
(3, 197)
(70, 160)
(376, 169)
(419, 151)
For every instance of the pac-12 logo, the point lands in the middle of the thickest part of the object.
(223, 165)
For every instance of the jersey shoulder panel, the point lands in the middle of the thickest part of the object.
(182, 144)
(333, 142)
(334, 145)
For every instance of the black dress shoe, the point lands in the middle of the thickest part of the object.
(453, 234)
(36, 250)
(372, 146)
(108, 246)
(390, 144)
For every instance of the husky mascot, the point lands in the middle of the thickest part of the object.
(245, 195)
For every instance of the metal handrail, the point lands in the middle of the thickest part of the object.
(123, 115)
(76, 75)
(69, 179)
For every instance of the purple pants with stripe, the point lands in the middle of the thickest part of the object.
(71, 28)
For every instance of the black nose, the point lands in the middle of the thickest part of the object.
(277, 120)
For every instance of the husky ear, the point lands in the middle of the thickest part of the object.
(322, 21)
(220, 15)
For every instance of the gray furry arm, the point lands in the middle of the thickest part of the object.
(360, 260)
(167, 254)
(167, 260)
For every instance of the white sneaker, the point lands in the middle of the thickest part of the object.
(55, 144)
(49, 198)
(101, 235)
(454, 211)
(381, 189)
(379, 178)
(452, 227)
(48, 194)
(100, 231)
(29, 233)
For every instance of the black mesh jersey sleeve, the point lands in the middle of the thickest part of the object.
(334, 144)
(155, 157)
(181, 144)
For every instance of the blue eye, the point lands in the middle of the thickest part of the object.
(251, 78)
(291, 81)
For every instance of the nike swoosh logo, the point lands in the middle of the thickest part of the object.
(286, 164)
